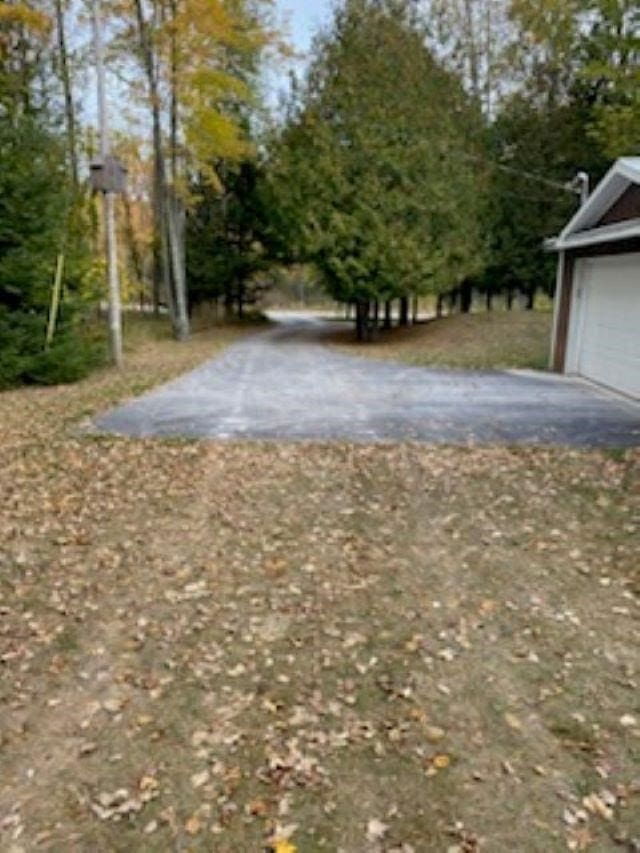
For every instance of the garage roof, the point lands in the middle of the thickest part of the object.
(583, 229)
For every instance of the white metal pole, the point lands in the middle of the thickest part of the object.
(115, 309)
(584, 185)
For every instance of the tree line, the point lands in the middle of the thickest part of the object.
(431, 148)
(426, 150)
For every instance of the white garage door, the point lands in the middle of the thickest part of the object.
(607, 345)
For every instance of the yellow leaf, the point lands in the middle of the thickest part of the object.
(282, 845)
(441, 761)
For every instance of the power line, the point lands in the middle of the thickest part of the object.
(523, 173)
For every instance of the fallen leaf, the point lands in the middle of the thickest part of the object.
(283, 845)
(257, 807)
(193, 825)
(513, 722)
(433, 733)
(376, 830)
(594, 804)
(200, 779)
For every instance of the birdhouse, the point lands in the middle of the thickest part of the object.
(108, 176)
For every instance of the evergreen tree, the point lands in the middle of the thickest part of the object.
(376, 168)
(40, 217)
(229, 237)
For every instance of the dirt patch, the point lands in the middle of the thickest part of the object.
(390, 648)
(488, 341)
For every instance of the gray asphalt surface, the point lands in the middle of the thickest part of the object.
(283, 384)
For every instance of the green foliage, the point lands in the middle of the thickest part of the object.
(551, 143)
(39, 218)
(576, 58)
(611, 71)
(70, 358)
(228, 235)
(376, 178)
(32, 211)
(23, 359)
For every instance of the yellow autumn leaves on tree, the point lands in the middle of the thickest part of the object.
(21, 14)
(213, 46)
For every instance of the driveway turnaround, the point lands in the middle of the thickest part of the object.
(284, 384)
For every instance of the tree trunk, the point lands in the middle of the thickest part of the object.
(472, 46)
(175, 209)
(69, 109)
(530, 298)
(161, 261)
(362, 311)
(173, 130)
(181, 313)
(510, 295)
(466, 297)
(374, 325)
(489, 299)
(404, 311)
(228, 302)
(387, 314)
(240, 300)
(453, 300)
(166, 214)
(440, 305)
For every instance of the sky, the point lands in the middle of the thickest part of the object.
(305, 18)
(300, 19)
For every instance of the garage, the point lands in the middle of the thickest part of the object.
(597, 309)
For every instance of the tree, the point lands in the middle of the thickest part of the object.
(229, 240)
(543, 49)
(197, 57)
(38, 220)
(380, 178)
(611, 73)
(67, 88)
(23, 37)
(470, 37)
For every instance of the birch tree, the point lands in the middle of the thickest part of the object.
(193, 57)
(470, 37)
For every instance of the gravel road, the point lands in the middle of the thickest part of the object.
(284, 384)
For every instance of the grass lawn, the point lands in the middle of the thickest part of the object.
(485, 341)
(318, 647)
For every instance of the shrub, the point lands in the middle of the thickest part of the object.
(23, 358)
(68, 361)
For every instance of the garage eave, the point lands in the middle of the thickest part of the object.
(605, 234)
(624, 173)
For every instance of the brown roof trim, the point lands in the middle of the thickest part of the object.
(626, 207)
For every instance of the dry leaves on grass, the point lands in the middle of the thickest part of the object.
(405, 646)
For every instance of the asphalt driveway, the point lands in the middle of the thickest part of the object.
(284, 384)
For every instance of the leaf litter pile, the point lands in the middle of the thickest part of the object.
(238, 647)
